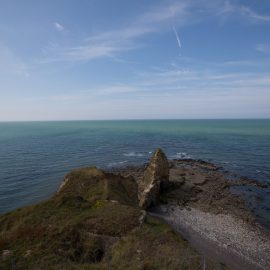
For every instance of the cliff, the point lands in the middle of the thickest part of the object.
(94, 222)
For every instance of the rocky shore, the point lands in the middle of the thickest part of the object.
(199, 205)
(115, 220)
(223, 237)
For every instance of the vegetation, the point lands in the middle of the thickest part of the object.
(93, 222)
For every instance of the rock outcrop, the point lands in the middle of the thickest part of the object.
(155, 176)
(94, 222)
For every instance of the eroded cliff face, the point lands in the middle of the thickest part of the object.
(154, 178)
(94, 222)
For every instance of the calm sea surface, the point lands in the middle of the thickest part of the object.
(35, 156)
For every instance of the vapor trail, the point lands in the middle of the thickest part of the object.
(177, 37)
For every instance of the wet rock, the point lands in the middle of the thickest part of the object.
(187, 187)
(156, 176)
(198, 163)
(177, 175)
(197, 179)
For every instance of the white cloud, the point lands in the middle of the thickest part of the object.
(239, 63)
(168, 93)
(59, 26)
(230, 8)
(166, 13)
(129, 37)
(253, 15)
(112, 90)
(208, 81)
(177, 83)
(107, 44)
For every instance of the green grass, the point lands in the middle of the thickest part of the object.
(92, 223)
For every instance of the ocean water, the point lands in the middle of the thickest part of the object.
(35, 156)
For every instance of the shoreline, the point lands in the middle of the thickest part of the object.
(207, 224)
(223, 238)
(209, 215)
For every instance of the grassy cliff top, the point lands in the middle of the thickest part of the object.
(92, 222)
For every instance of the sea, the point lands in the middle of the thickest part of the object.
(35, 156)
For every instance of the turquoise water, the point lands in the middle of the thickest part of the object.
(34, 156)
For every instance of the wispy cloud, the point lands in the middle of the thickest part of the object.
(210, 81)
(231, 8)
(109, 43)
(254, 15)
(10, 63)
(114, 89)
(265, 48)
(179, 82)
(59, 26)
(130, 37)
(170, 92)
(239, 63)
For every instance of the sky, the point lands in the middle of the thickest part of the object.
(126, 59)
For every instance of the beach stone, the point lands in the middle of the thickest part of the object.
(155, 177)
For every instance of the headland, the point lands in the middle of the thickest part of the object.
(178, 214)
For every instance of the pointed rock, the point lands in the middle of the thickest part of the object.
(155, 176)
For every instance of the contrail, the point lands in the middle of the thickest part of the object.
(177, 37)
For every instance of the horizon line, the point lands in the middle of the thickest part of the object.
(133, 119)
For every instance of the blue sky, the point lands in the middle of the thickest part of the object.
(124, 59)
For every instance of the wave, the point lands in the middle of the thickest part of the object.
(133, 154)
(117, 164)
(181, 155)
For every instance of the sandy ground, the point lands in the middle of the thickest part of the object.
(225, 238)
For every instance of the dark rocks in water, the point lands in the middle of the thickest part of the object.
(155, 176)
(198, 163)
(245, 181)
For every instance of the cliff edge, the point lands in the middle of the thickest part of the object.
(95, 221)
